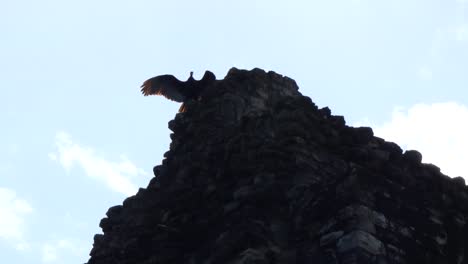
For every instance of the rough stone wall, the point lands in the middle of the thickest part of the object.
(256, 173)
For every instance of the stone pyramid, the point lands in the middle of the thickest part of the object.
(256, 173)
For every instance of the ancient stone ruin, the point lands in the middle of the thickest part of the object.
(256, 173)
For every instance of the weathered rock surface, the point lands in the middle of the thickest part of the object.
(256, 173)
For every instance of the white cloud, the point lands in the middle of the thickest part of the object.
(13, 212)
(439, 131)
(54, 251)
(115, 175)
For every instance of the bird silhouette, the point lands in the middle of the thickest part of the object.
(173, 89)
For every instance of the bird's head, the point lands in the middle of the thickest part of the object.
(191, 79)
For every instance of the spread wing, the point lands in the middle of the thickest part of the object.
(165, 85)
(208, 78)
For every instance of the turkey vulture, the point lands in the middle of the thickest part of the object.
(175, 90)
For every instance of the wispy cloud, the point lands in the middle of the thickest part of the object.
(438, 43)
(55, 251)
(115, 175)
(425, 73)
(13, 148)
(49, 253)
(454, 31)
(460, 32)
(437, 130)
(13, 213)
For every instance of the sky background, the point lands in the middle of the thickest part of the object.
(77, 137)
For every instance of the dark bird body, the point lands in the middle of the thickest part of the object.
(176, 90)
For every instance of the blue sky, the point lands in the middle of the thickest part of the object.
(78, 137)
